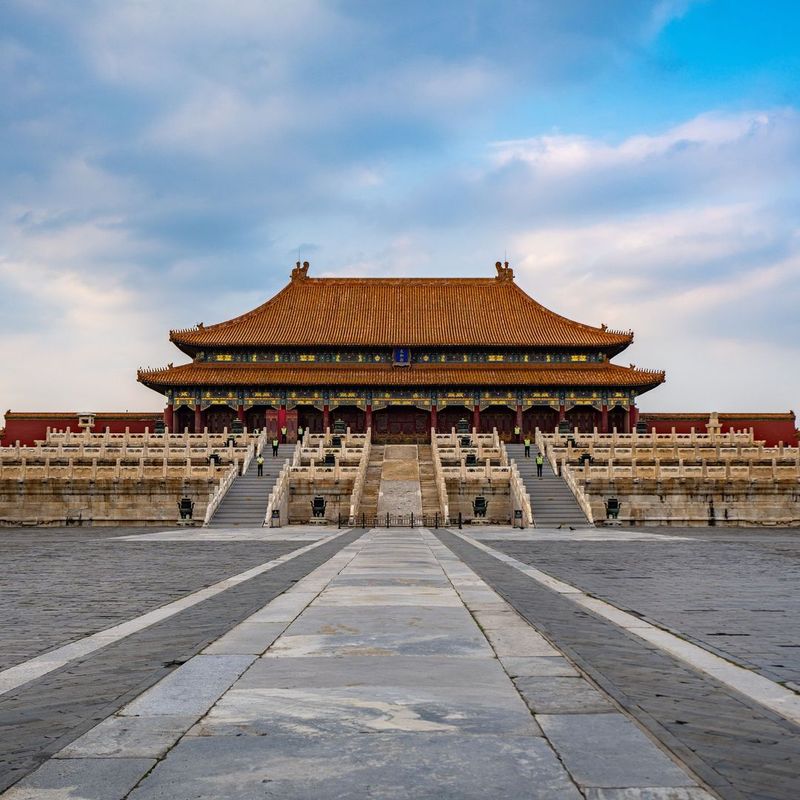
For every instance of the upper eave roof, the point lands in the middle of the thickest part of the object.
(322, 375)
(396, 312)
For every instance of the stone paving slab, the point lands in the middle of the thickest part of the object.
(247, 638)
(82, 779)
(578, 534)
(374, 596)
(402, 620)
(368, 709)
(608, 750)
(129, 737)
(433, 580)
(519, 641)
(541, 666)
(559, 695)
(650, 793)
(191, 688)
(400, 670)
(295, 533)
(415, 766)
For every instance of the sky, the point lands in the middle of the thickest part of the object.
(166, 163)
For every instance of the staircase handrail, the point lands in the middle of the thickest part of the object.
(520, 496)
(568, 474)
(297, 454)
(545, 450)
(504, 459)
(225, 483)
(361, 478)
(279, 490)
(438, 476)
(256, 450)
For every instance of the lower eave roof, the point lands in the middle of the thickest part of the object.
(318, 375)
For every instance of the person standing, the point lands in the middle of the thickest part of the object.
(299, 433)
(527, 447)
(517, 432)
(283, 434)
(260, 462)
(275, 444)
(539, 464)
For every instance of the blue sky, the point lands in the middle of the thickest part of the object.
(164, 163)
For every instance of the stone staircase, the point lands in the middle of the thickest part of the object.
(427, 482)
(552, 501)
(368, 507)
(245, 503)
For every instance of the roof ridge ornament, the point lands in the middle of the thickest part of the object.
(300, 273)
(504, 272)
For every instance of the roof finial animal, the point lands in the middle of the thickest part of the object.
(504, 272)
(300, 272)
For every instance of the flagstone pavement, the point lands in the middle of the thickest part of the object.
(400, 664)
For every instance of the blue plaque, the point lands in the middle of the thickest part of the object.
(402, 356)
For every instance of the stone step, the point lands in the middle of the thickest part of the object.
(552, 501)
(245, 502)
(368, 507)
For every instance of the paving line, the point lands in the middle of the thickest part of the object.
(20, 674)
(754, 686)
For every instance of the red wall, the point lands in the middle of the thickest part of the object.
(769, 428)
(30, 426)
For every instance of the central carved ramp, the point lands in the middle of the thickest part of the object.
(400, 493)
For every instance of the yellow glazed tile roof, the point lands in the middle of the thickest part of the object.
(323, 375)
(411, 312)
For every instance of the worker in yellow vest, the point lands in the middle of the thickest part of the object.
(517, 432)
(539, 464)
(527, 447)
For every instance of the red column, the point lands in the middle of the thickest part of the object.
(562, 413)
(240, 413)
(604, 419)
(633, 413)
(326, 417)
(519, 421)
(476, 418)
(368, 417)
(198, 419)
(169, 416)
(434, 418)
(628, 418)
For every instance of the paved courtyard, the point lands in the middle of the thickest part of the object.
(317, 663)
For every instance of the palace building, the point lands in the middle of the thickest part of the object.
(401, 356)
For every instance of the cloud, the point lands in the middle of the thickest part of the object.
(165, 163)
